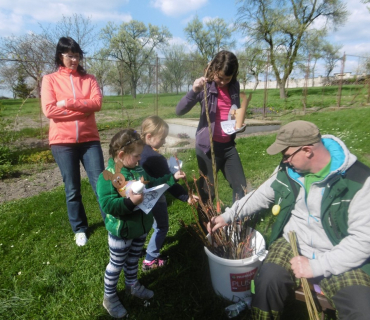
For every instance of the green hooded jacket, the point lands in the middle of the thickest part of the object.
(122, 221)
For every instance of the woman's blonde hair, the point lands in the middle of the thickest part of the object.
(154, 125)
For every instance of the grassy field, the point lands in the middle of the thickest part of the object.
(44, 275)
(121, 111)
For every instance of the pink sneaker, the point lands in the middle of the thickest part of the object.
(154, 264)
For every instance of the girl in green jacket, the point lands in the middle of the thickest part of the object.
(127, 225)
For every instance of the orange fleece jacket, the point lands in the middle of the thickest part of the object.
(79, 97)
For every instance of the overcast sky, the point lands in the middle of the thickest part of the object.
(18, 17)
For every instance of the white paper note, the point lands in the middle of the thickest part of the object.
(173, 165)
(151, 197)
(229, 127)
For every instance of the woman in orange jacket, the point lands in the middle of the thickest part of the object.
(70, 97)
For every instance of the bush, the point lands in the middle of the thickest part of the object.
(6, 170)
(39, 157)
(6, 156)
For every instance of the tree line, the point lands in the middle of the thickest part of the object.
(282, 35)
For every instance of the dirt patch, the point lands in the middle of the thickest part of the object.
(33, 181)
(41, 178)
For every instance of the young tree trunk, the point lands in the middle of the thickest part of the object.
(282, 88)
(133, 88)
(256, 82)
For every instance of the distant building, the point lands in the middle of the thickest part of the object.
(300, 83)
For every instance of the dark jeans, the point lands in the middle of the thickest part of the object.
(68, 157)
(228, 161)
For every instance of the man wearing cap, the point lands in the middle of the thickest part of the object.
(320, 190)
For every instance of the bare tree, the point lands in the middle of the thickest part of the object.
(176, 66)
(312, 51)
(31, 53)
(252, 62)
(210, 38)
(119, 80)
(9, 77)
(133, 44)
(148, 76)
(78, 27)
(100, 67)
(281, 25)
(196, 69)
(331, 56)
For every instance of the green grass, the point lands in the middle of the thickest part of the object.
(44, 275)
(125, 108)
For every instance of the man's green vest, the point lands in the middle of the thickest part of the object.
(333, 218)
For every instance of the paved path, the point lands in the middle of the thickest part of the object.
(188, 127)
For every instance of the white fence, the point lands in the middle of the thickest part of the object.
(300, 83)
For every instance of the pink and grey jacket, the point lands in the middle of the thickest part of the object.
(80, 97)
(192, 98)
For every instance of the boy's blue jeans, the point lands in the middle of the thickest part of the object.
(160, 226)
(68, 157)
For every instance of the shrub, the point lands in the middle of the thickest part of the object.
(6, 156)
(6, 170)
(39, 157)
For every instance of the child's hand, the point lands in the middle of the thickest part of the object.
(199, 84)
(193, 199)
(179, 175)
(136, 198)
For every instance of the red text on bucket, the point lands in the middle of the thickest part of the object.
(241, 281)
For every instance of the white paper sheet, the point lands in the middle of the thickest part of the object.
(229, 127)
(172, 164)
(151, 197)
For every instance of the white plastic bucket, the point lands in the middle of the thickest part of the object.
(232, 278)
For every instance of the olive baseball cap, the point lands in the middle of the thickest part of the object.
(295, 134)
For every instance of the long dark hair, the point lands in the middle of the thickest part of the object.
(67, 44)
(226, 62)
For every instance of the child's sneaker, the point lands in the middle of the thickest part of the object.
(114, 306)
(81, 239)
(154, 264)
(139, 291)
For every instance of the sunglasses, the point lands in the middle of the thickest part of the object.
(286, 157)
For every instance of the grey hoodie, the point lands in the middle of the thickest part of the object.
(325, 259)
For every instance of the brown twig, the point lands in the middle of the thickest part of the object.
(215, 179)
(311, 307)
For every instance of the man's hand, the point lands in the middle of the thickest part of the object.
(216, 223)
(193, 199)
(301, 267)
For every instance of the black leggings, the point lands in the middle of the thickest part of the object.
(228, 161)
